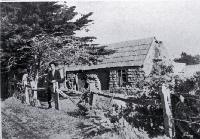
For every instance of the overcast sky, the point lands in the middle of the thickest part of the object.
(176, 23)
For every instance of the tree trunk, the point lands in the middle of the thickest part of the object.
(37, 68)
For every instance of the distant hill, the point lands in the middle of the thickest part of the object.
(188, 59)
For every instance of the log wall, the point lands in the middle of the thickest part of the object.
(133, 75)
(113, 82)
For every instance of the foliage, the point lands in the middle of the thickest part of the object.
(145, 114)
(97, 124)
(188, 59)
(146, 117)
(65, 50)
(145, 111)
(35, 33)
(150, 86)
(187, 109)
(185, 85)
(110, 122)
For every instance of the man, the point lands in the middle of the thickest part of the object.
(53, 78)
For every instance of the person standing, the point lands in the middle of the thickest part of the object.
(53, 78)
(25, 83)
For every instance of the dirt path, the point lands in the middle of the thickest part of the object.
(20, 121)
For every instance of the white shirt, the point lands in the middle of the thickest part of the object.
(25, 79)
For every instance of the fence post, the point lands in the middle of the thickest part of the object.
(57, 102)
(35, 91)
(34, 87)
(167, 112)
(26, 95)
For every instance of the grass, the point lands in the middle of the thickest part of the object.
(22, 121)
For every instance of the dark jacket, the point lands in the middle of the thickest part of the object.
(51, 77)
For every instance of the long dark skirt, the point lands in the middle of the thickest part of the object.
(49, 95)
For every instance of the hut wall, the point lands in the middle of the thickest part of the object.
(132, 75)
(102, 74)
(113, 83)
(109, 78)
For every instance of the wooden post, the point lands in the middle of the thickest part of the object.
(92, 87)
(25, 85)
(34, 88)
(94, 100)
(35, 91)
(56, 97)
(62, 75)
(167, 112)
(76, 80)
(27, 95)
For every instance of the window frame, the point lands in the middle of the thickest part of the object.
(122, 77)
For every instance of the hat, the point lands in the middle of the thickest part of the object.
(53, 62)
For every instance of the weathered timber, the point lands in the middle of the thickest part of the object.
(57, 100)
(167, 112)
(130, 99)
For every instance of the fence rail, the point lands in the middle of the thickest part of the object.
(165, 103)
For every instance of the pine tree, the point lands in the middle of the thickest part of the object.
(28, 29)
(35, 33)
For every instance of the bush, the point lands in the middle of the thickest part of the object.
(187, 109)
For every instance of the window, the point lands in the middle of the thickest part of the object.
(122, 78)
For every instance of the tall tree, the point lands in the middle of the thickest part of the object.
(35, 33)
(31, 32)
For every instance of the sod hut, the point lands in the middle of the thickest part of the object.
(131, 60)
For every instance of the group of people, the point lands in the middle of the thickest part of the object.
(53, 79)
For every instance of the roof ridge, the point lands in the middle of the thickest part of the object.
(154, 38)
(134, 40)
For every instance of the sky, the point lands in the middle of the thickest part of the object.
(175, 22)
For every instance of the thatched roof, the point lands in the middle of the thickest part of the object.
(127, 53)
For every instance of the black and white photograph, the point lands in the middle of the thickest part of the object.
(100, 69)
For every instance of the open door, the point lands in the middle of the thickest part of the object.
(103, 76)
